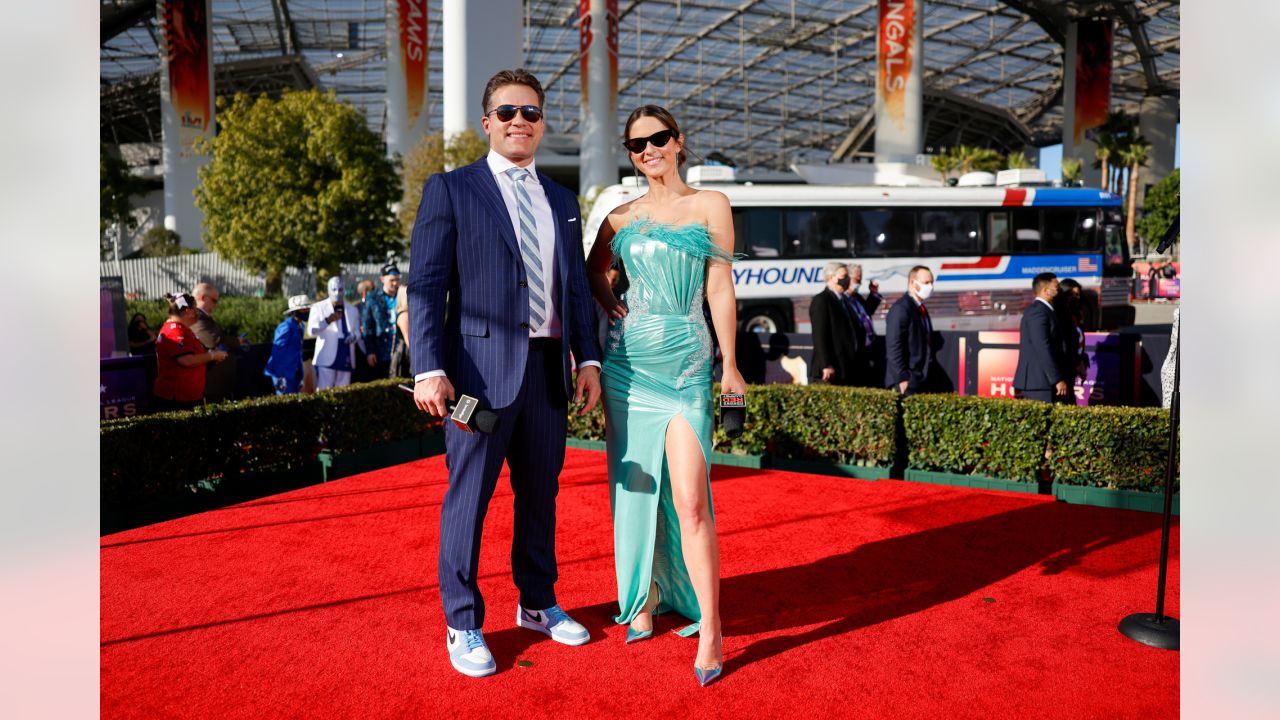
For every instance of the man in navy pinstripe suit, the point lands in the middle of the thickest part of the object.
(498, 299)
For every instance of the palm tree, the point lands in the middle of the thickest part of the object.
(1104, 153)
(1134, 157)
(1016, 161)
(1071, 170)
(944, 164)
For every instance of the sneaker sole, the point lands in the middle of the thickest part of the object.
(521, 622)
(472, 673)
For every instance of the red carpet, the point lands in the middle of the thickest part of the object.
(842, 598)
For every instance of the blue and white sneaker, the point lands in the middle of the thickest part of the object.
(554, 622)
(468, 653)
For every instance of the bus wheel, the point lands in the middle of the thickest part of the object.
(765, 320)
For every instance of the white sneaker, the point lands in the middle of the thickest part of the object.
(469, 654)
(554, 622)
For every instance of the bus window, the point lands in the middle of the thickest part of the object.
(884, 233)
(949, 232)
(1114, 246)
(758, 233)
(739, 231)
(998, 233)
(1026, 230)
(1069, 230)
(817, 233)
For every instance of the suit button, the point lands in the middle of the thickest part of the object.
(523, 284)
(524, 325)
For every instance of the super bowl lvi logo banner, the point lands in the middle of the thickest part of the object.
(896, 56)
(185, 26)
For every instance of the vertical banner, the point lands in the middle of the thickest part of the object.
(598, 45)
(406, 74)
(1092, 76)
(186, 109)
(186, 39)
(899, 81)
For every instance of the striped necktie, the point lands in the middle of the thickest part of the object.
(529, 250)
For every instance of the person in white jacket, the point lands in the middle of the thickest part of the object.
(337, 334)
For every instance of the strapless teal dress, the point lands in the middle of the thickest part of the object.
(657, 365)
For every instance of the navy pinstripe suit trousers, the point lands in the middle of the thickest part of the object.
(531, 439)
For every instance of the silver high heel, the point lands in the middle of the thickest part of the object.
(638, 635)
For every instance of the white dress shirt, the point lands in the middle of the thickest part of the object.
(546, 226)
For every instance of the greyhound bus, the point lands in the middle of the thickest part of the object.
(983, 243)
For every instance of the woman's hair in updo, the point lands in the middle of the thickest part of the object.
(179, 302)
(663, 116)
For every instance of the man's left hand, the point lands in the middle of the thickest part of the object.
(373, 359)
(588, 380)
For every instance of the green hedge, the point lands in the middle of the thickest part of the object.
(969, 435)
(796, 422)
(1113, 447)
(253, 315)
(167, 453)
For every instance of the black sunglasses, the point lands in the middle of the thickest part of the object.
(531, 113)
(659, 139)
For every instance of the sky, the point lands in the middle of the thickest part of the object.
(1051, 156)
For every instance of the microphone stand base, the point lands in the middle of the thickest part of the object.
(1149, 629)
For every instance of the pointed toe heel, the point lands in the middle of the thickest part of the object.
(706, 677)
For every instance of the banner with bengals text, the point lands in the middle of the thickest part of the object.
(185, 28)
(411, 17)
(1093, 75)
(896, 55)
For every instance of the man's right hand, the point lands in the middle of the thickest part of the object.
(1060, 389)
(431, 394)
(828, 373)
(902, 387)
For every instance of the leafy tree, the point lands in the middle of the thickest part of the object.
(1134, 157)
(430, 156)
(299, 181)
(1072, 168)
(117, 186)
(1161, 206)
(1017, 161)
(161, 242)
(944, 164)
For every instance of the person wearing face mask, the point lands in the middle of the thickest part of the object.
(337, 334)
(908, 337)
(1040, 347)
(869, 362)
(836, 330)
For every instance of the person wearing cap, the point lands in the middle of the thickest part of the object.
(337, 334)
(284, 366)
(378, 319)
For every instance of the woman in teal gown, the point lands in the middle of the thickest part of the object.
(675, 243)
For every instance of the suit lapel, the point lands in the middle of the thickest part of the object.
(557, 215)
(487, 188)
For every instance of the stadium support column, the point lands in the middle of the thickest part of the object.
(479, 38)
(1086, 92)
(598, 43)
(1158, 124)
(407, 94)
(186, 109)
(899, 81)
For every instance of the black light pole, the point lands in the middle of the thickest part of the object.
(1158, 630)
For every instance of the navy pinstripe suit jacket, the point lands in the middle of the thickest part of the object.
(468, 297)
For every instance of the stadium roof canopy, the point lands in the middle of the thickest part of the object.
(763, 82)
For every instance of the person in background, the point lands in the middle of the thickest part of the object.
(836, 341)
(220, 380)
(1069, 307)
(1040, 347)
(141, 340)
(337, 334)
(868, 370)
(378, 319)
(908, 337)
(284, 366)
(180, 358)
(400, 364)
